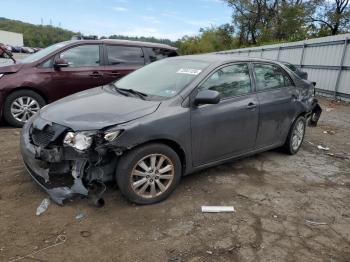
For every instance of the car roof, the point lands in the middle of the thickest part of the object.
(221, 58)
(124, 42)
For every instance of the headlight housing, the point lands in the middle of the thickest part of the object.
(78, 140)
(1, 75)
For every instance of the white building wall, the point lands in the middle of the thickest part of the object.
(10, 38)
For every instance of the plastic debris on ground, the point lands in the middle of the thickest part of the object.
(329, 132)
(217, 209)
(80, 216)
(323, 148)
(43, 206)
(315, 223)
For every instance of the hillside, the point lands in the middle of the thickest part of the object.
(36, 35)
(43, 36)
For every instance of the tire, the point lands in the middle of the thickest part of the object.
(288, 146)
(27, 97)
(128, 163)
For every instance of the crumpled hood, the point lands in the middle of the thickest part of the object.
(7, 68)
(96, 108)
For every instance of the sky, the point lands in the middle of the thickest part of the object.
(169, 19)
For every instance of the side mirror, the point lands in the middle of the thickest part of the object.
(60, 63)
(207, 97)
(303, 75)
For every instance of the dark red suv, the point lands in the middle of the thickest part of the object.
(69, 67)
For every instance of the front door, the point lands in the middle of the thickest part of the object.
(83, 72)
(277, 96)
(229, 128)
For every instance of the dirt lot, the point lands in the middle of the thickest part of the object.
(288, 208)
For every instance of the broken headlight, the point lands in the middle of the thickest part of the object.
(78, 140)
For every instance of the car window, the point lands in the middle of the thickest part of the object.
(125, 55)
(229, 81)
(46, 64)
(159, 53)
(82, 56)
(291, 67)
(270, 77)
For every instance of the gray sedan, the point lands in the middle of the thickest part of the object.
(168, 119)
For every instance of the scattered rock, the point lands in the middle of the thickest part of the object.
(85, 233)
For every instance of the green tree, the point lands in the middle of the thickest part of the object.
(333, 17)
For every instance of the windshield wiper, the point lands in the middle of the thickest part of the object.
(132, 91)
(121, 91)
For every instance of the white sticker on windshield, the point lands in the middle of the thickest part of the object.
(189, 71)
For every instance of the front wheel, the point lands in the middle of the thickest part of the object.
(22, 105)
(148, 174)
(295, 136)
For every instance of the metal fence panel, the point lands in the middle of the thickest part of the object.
(344, 83)
(292, 56)
(326, 59)
(323, 55)
(347, 56)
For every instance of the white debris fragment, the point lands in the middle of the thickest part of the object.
(315, 223)
(329, 109)
(323, 148)
(43, 206)
(217, 209)
(80, 216)
(209, 252)
(310, 142)
(329, 132)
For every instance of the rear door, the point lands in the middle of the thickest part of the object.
(229, 128)
(121, 60)
(83, 72)
(277, 95)
(153, 54)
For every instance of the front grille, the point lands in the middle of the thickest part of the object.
(47, 135)
(42, 137)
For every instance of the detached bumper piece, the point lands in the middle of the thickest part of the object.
(316, 111)
(62, 171)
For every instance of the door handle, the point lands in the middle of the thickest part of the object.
(96, 74)
(251, 106)
(114, 74)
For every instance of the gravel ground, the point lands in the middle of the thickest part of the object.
(287, 208)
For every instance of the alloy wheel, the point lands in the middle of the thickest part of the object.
(298, 135)
(23, 108)
(152, 175)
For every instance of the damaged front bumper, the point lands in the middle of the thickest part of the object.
(60, 170)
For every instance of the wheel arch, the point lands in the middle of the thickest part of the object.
(173, 145)
(27, 88)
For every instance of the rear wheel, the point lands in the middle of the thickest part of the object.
(22, 105)
(296, 136)
(148, 174)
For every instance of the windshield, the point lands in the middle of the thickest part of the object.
(44, 52)
(164, 78)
